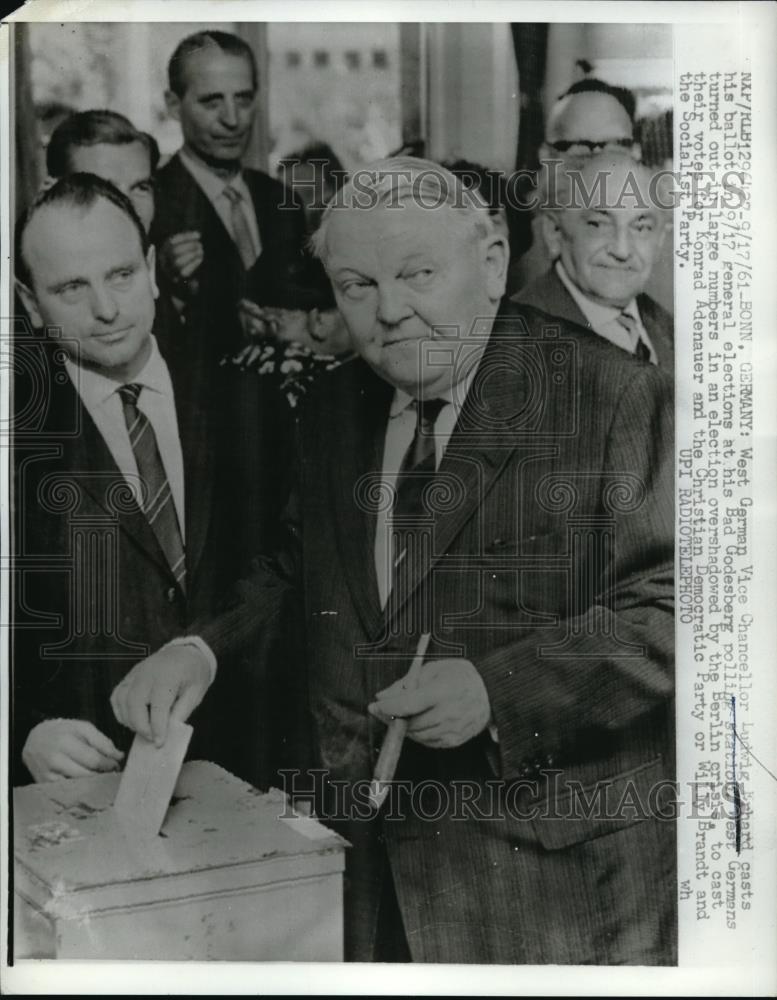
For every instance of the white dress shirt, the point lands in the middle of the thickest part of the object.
(100, 396)
(604, 319)
(213, 189)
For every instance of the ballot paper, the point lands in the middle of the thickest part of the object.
(149, 779)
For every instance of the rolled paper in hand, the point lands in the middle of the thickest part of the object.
(388, 759)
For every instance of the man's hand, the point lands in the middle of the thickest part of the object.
(168, 684)
(68, 748)
(449, 706)
(253, 319)
(180, 256)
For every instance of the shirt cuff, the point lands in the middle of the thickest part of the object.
(202, 646)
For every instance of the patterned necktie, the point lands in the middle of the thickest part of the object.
(629, 324)
(411, 549)
(240, 231)
(158, 505)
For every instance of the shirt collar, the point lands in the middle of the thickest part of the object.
(455, 395)
(211, 183)
(597, 314)
(96, 389)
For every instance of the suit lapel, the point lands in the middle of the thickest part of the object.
(89, 460)
(359, 453)
(483, 440)
(197, 453)
(659, 330)
(196, 209)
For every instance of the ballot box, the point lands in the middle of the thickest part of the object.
(233, 874)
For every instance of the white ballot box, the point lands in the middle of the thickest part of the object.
(233, 874)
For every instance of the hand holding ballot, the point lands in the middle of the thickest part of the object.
(169, 684)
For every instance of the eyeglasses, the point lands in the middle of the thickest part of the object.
(589, 146)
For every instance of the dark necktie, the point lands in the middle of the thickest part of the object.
(240, 231)
(641, 349)
(410, 517)
(158, 505)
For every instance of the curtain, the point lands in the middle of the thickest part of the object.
(27, 151)
(531, 47)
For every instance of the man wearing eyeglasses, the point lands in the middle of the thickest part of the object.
(590, 117)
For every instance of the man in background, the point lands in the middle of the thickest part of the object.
(108, 145)
(217, 221)
(603, 229)
(590, 116)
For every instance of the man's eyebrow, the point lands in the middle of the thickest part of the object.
(344, 269)
(130, 265)
(56, 286)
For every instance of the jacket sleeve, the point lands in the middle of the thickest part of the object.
(611, 661)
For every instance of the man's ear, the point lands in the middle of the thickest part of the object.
(173, 104)
(30, 303)
(551, 233)
(496, 257)
(151, 263)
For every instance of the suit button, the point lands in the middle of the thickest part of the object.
(171, 595)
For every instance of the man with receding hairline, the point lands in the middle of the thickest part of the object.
(117, 501)
(218, 220)
(604, 227)
(471, 481)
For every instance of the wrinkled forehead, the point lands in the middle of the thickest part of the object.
(393, 229)
(617, 184)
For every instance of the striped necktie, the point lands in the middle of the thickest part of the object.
(157, 499)
(629, 324)
(241, 234)
(410, 522)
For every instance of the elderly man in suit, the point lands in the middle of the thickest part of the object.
(473, 477)
(217, 222)
(604, 226)
(120, 537)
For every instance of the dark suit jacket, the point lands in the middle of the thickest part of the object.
(212, 328)
(552, 572)
(93, 592)
(549, 294)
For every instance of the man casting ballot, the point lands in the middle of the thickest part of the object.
(502, 481)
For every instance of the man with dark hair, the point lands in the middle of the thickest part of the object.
(217, 219)
(108, 145)
(122, 536)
